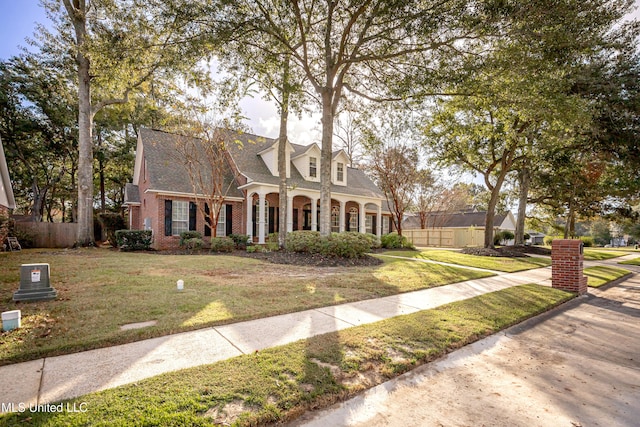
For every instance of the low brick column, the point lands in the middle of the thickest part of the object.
(566, 266)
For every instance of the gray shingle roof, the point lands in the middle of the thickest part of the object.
(131, 193)
(245, 153)
(166, 167)
(458, 220)
(167, 172)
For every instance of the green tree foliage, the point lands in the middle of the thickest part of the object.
(364, 48)
(610, 81)
(493, 131)
(393, 160)
(600, 231)
(37, 126)
(516, 104)
(117, 47)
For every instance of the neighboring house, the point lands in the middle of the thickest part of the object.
(535, 238)
(7, 201)
(455, 229)
(161, 197)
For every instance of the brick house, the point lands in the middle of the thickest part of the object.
(162, 197)
(7, 201)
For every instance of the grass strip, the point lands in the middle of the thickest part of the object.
(599, 254)
(100, 290)
(280, 383)
(634, 261)
(509, 265)
(601, 275)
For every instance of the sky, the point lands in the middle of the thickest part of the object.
(18, 20)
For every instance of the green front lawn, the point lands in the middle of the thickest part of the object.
(601, 275)
(279, 384)
(100, 290)
(508, 265)
(600, 254)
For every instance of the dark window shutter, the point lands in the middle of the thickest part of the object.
(207, 222)
(374, 224)
(347, 221)
(168, 205)
(229, 220)
(272, 220)
(193, 213)
(255, 220)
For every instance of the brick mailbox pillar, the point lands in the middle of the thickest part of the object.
(567, 258)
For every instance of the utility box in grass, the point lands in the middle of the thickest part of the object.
(10, 320)
(35, 284)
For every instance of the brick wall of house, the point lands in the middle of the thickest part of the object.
(135, 223)
(171, 242)
(567, 266)
(238, 224)
(160, 241)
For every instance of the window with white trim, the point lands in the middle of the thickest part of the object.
(353, 219)
(179, 217)
(340, 172)
(335, 219)
(385, 224)
(313, 167)
(221, 229)
(368, 221)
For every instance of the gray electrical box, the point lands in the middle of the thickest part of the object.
(35, 284)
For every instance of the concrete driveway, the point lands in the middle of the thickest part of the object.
(578, 365)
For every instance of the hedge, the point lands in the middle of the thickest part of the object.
(185, 236)
(222, 244)
(395, 241)
(111, 222)
(344, 245)
(134, 240)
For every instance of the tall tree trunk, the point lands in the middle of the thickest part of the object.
(491, 210)
(103, 197)
(400, 216)
(282, 156)
(569, 226)
(39, 195)
(325, 162)
(525, 179)
(78, 15)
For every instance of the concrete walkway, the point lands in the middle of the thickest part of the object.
(576, 365)
(56, 378)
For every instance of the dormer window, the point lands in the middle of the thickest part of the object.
(340, 172)
(313, 167)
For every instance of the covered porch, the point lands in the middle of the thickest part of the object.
(348, 212)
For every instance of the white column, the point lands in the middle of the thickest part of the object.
(250, 217)
(379, 222)
(342, 216)
(314, 214)
(262, 220)
(289, 214)
(363, 217)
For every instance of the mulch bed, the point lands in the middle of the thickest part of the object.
(311, 260)
(508, 251)
(284, 257)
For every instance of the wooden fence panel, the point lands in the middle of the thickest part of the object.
(51, 234)
(437, 237)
